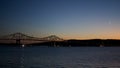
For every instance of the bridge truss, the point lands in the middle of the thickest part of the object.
(18, 37)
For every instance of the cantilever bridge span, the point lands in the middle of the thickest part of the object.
(19, 38)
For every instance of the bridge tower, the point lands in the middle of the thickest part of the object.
(17, 37)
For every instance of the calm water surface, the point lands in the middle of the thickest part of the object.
(59, 57)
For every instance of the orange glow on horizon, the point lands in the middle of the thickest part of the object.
(92, 37)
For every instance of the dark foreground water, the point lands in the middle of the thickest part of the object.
(61, 57)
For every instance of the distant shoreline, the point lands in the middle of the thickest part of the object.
(73, 43)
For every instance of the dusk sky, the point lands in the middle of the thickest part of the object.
(69, 19)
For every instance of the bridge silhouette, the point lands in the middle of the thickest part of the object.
(20, 38)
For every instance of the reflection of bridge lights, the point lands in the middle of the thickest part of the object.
(22, 59)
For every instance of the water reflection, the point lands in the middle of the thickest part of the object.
(22, 59)
(62, 57)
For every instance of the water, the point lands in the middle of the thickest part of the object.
(59, 57)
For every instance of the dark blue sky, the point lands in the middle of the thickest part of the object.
(80, 19)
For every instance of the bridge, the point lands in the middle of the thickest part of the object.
(20, 38)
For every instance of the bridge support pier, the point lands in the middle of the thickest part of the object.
(18, 41)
